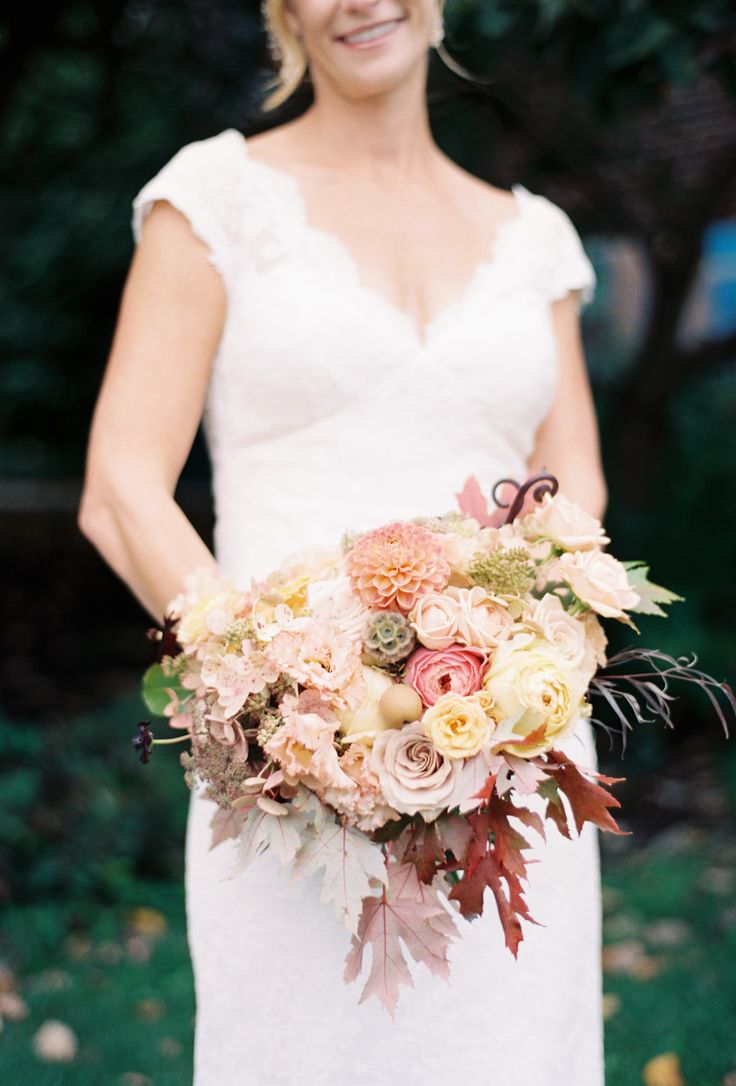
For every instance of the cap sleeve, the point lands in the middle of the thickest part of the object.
(569, 266)
(193, 181)
(553, 259)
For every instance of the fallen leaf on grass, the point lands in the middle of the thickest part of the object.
(7, 978)
(621, 926)
(150, 1010)
(718, 880)
(663, 1070)
(55, 1042)
(13, 1007)
(669, 931)
(630, 957)
(169, 1047)
(146, 921)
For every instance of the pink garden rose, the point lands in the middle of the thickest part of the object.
(434, 672)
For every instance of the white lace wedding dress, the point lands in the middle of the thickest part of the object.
(326, 410)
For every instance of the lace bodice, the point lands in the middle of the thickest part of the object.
(325, 407)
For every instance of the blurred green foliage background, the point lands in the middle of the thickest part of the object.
(623, 112)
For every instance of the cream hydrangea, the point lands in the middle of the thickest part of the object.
(207, 605)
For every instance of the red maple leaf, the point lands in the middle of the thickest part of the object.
(406, 912)
(473, 502)
(555, 810)
(533, 739)
(589, 802)
(424, 850)
(494, 853)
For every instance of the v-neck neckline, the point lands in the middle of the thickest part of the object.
(421, 338)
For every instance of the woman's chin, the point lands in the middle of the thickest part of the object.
(374, 83)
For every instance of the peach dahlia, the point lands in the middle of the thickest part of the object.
(392, 566)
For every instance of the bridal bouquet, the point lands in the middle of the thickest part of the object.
(377, 713)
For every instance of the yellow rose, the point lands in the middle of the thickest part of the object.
(458, 726)
(366, 720)
(533, 686)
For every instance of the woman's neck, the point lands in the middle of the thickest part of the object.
(387, 135)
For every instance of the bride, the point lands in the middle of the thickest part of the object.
(361, 324)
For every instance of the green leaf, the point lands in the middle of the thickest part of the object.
(650, 594)
(155, 689)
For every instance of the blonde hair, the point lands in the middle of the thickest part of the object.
(286, 50)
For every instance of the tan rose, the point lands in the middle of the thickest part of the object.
(565, 523)
(434, 618)
(483, 619)
(599, 580)
(457, 726)
(415, 777)
(533, 687)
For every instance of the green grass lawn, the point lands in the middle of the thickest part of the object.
(120, 977)
(125, 986)
(670, 957)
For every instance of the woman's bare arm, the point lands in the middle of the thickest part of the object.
(567, 442)
(148, 409)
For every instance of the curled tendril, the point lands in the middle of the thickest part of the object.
(540, 484)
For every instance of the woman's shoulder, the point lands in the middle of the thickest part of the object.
(201, 181)
(550, 246)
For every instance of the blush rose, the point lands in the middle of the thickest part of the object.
(434, 672)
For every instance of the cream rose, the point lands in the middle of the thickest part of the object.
(365, 721)
(565, 633)
(483, 620)
(533, 687)
(565, 523)
(434, 618)
(457, 726)
(414, 776)
(599, 580)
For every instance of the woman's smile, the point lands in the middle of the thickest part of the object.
(372, 36)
